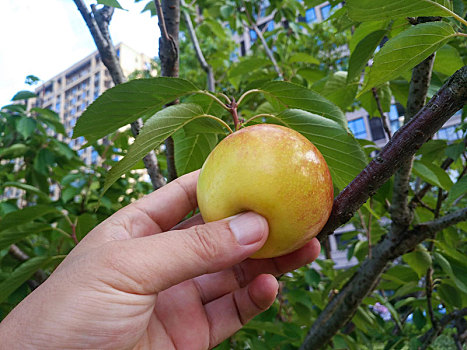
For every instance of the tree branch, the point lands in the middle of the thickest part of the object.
(403, 145)
(252, 25)
(211, 85)
(168, 14)
(434, 332)
(381, 113)
(40, 276)
(98, 24)
(401, 215)
(343, 306)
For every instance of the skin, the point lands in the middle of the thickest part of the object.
(281, 176)
(139, 280)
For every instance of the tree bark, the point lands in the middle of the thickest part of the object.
(168, 14)
(405, 142)
(211, 84)
(401, 215)
(98, 24)
(342, 307)
(403, 145)
(434, 332)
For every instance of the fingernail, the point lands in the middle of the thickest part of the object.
(248, 228)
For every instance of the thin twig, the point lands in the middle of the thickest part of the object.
(160, 16)
(383, 116)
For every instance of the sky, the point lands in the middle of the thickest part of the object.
(45, 37)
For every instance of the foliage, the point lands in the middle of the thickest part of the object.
(329, 68)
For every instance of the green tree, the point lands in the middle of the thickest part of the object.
(406, 200)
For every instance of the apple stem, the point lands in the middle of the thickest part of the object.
(233, 105)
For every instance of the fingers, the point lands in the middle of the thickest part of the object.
(229, 313)
(193, 221)
(154, 213)
(213, 286)
(170, 204)
(151, 264)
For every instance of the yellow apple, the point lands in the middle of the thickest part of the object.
(275, 172)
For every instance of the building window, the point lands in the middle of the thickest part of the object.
(270, 26)
(394, 118)
(94, 156)
(253, 35)
(310, 15)
(325, 12)
(376, 128)
(57, 107)
(96, 93)
(357, 126)
(449, 133)
(83, 106)
(73, 111)
(73, 100)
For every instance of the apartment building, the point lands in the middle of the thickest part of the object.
(71, 91)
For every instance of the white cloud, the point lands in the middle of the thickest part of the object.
(45, 37)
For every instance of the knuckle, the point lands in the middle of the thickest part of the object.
(204, 241)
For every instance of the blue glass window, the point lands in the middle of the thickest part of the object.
(326, 11)
(253, 35)
(72, 122)
(310, 15)
(449, 133)
(357, 126)
(57, 107)
(94, 156)
(394, 118)
(270, 26)
(96, 93)
(73, 111)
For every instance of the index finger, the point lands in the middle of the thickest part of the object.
(168, 205)
(154, 213)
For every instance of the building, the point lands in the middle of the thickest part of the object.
(71, 91)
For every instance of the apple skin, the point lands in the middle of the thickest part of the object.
(275, 172)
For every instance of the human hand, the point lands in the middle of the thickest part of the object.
(139, 280)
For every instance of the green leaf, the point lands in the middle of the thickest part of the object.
(21, 275)
(432, 174)
(127, 102)
(362, 53)
(364, 29)
(406, 50)
(156, 129)
(303, 57)
(16, 234)
(26, 126)
(311, 75)
(23, 95)
(375, 10)
(192, 150)
(400, 90)
(43, 160)
(50, 118)
(446, 266)
(450, 295)
(447, 60)
(86, 222)
(419, 319)
(369, 103)
(337, 91)
(457, 190)
(419, 260)
(27, 188)
(285, 95)
(25, 215)
(112, 3)
(343, 154)
(14, 151)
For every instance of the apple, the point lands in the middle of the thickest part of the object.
(275, 172)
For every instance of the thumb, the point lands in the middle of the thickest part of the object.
(163, 260)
